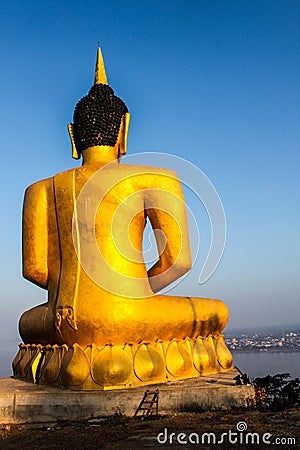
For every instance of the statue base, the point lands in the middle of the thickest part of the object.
(30, 403)
(117, 367)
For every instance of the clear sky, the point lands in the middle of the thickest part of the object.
(214, 82)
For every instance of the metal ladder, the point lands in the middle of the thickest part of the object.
(148, 405)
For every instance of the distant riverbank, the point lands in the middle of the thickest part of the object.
(272, 350)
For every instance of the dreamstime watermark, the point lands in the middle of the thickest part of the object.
(126, 194)
(240, 436)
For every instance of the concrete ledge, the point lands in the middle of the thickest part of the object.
(22, 402)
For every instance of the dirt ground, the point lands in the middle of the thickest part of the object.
(119, 432)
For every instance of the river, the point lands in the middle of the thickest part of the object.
(260, 364)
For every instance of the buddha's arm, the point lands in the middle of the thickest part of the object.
(35, 234)
(165, 207)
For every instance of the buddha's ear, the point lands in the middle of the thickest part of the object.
(124, 134)
(75, 153)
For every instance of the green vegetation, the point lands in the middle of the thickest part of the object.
(275, 393)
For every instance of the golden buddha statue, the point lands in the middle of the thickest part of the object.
(104, 326)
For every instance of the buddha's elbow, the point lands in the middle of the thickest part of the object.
(182, 267)
(36, 276)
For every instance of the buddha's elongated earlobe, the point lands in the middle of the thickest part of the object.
(123, 135)
(75, 153)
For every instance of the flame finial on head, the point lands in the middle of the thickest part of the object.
(100, 75)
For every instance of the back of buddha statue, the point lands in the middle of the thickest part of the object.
(83, 242)
(102, 213)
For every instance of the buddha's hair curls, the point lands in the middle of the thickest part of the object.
(97, 118)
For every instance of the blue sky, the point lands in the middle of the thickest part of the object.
(214, 82)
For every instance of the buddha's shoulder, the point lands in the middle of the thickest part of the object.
(47, 183)
(39, 186)
(144, 177)
(150, 172)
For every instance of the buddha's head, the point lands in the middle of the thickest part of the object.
(100, 118)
